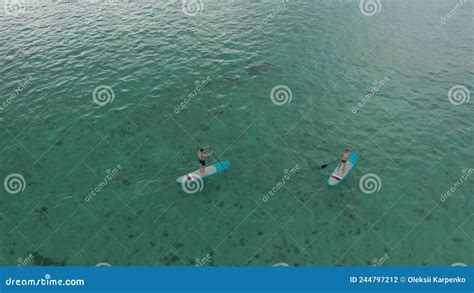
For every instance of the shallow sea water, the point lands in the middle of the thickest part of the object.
(230, 55)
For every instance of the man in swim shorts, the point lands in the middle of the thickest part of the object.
(202, 155)
(342, 163)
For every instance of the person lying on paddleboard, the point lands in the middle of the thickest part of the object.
(342, 164)
(202, 155)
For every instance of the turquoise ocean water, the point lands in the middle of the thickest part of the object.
(104, 104)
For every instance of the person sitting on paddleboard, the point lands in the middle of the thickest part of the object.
(342, 163)
(202, 159)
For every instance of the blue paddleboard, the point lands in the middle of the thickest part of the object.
(209, 171)
(336, 177)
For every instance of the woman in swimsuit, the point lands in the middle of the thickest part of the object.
(342, 163)
(202, 159)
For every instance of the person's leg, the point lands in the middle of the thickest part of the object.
(203, 169)
(343, 168)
